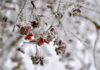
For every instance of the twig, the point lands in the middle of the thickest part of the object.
(78, 38)
(19, 15)
(93, 22)
(34, 7)
(36, 54)
(94, 49)
(96, 40)
(58, 6)
(32, 2)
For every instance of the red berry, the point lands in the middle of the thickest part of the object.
(40, 41)
(28, 37)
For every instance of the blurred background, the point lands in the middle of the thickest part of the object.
(75, 22)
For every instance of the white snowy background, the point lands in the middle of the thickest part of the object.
(80, 30)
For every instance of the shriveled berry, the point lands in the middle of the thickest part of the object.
(76, 12)
(60, 50)
(34, 24)
(35, 60)
(52, 29)
(24, 30)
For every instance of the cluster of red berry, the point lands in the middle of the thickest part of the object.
(43, 38)
(40, 39)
